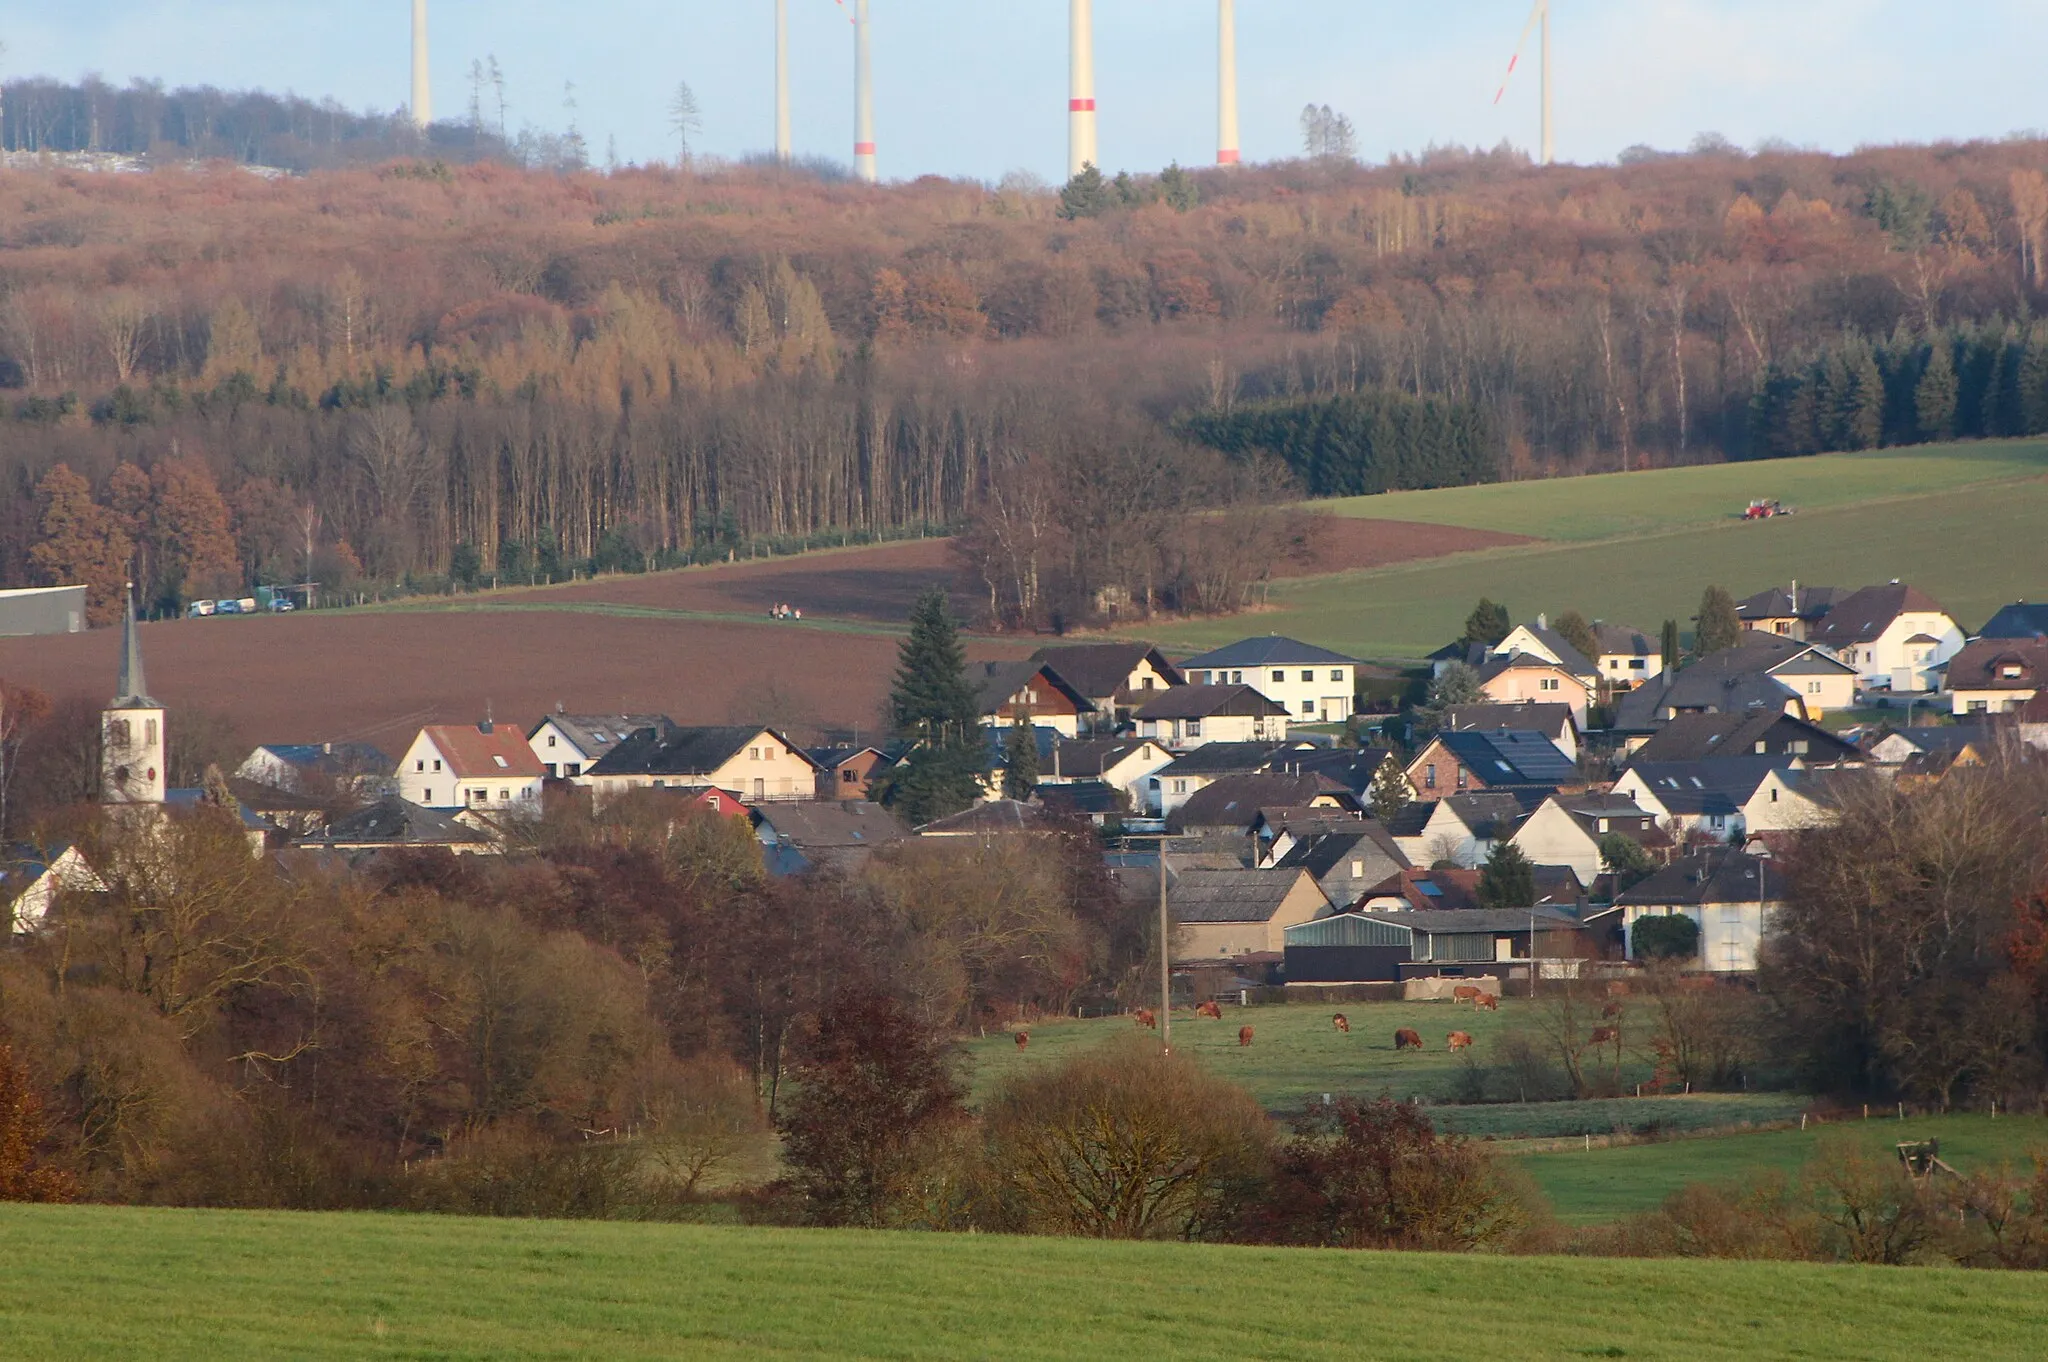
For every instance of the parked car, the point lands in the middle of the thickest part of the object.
(281, 605)
(248, 605)
(198, 609)
(227, 607)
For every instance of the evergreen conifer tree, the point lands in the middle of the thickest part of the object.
(1456, 684)
(2033, 381)
(1572, 627)
(1934, 396)
(1087, 195)
(1488, 623)
(1670, 648)
(1862, 415)
(1719, 626)
(933, 708)
(1020, 759)
(1507, 880)
(1389, 793)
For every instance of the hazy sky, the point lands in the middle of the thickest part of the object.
(977, 87)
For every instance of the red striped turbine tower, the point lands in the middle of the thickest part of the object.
(863, 96)
(1081, 147)
(1226, 83)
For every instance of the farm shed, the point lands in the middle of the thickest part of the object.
(42, 610)
(1350, 948)
(1361, 948)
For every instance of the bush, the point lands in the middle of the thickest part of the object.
(1124, 1143)
(1676, 937)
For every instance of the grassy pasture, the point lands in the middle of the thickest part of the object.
(1605, 1184)
(1962, 546)
(102, 1282)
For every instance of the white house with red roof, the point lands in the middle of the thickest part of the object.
(484, 766)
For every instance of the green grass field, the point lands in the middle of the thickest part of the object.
(95, 1282)
(1605, 1184)
(1639, 548)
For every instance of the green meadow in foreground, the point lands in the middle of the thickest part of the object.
(103, 1282)
(1639, 548)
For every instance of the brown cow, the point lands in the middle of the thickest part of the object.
(1146, 1017)
(1023, 1039)
(1405, 1039)
(1604, 1034)
(1465, 993)
(1244, 1035)
(1460, 1040)
(1487, 1001)
(1342, 1023)
(1210, 1009)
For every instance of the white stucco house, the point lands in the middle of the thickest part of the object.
(1895, 636)
(485, 766)
(1729, 894)
(1313, 685)
(1725, 798)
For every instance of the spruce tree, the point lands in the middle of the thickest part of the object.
(933, 709)
(1934, 397)
(1507, 880)
(1488, 623)
(1087, 195)
(1719, 625)
(1862, 415)
(1456, 684)
(1389, 793)
(1020, 760)
(1670, 648)
(2033, 381)
(1572, 627)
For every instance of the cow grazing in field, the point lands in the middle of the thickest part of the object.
(1244, 1035)
(1461, 1040)
(1211, 1009)
(1604, 1035)
(1146, 1017)
(1487, 1001)
(1342, 1023)
(1405, 1039)
(1023, 1039)
(1465, 993)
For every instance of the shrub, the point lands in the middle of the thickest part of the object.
(22, 1177)
(1124, 1143)
(1676, 937)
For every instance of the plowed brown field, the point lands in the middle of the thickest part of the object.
(378, 674)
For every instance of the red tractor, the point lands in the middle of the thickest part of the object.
(1764, 510)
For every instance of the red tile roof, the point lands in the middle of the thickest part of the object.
(472, 753)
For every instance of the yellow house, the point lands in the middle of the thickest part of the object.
(757, 764)
(1224, 914)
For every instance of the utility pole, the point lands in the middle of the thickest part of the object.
(1165, 961)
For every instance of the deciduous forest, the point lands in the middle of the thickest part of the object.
(440, 369)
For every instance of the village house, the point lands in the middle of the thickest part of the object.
(753, 762)
(1544, 643)
(485, 766)
(1230, 804)
(1893, 746)
(1627, 657)
(994, 818)
(1460, 829)
(1173, 784)
(1028, 692)
(1123, 764)
(1789, 613)
(396, 824)
(1895, 636)
(1762, 672)
(1566, 830)
(1117, 678)
(1728, 894)
(1280, 827)
(1526, 679)
(849, 772)
(1190, 716)
(1554, 722)
(1746, 733)
(326, 766)
(837, 835)
(1726, 798)
(1232, 914)
(1995, 675)
(1500, 758)
(2018, 620)
(568, 745)
(1419, 891)
(1311, 685)
(31, 878)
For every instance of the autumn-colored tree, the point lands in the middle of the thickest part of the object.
(80, 541)
(195, 548)
(22, 1177)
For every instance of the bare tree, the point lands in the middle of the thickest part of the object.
(685, 120)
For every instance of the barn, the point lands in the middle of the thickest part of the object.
(42, 610)
(1365, 948)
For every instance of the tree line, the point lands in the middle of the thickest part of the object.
(1360, 443)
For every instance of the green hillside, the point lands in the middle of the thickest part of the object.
(101, 1282)
(1962, 522)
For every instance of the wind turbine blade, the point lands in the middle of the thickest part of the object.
(1535, 15)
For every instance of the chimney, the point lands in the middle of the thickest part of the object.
(485, 726)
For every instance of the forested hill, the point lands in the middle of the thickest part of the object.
(454, 365)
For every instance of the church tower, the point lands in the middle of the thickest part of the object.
(132, 766)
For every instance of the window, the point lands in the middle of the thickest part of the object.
(1547, 683)
(1429, 776)
(1813, 688)
(1237, 678)
(503, 765)
(660, 784)
(573, 769)
(1603, 826)
(437, 763)
(1180, 787)
(1145, 683)
(1308, 707)
(1717, 821)
(1308, 674)
(1194, 729)
(1979, 706)
(1279, 675)
(1774, 796)
(504, 796)
(427, 795)
(2009, 671)
(551, 740)
(1614, 664)
(421, 764)
(1337, 675)
(753, 754)
(1762, 748)
(847, 776)
(1639, 664)
(1461, 777)
(550, 768)
(149, 732)
(1799, 747)
(476, 796)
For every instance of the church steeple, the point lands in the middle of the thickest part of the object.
(134, 693)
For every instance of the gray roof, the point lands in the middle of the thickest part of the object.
(1234, 801)
(995, 682)
(1777, 603)
(1270, 651)
(1543, 718)
(1714, 876)
(998, 815)
(1231, 895)
(395, 822)
(134, 689)
(1699, 737)
(1229, 758)
(2018, 620)
(1322, 852)
(1204, 702)
(815, 826)
(1451, 921)
(597, 734)
(1568, 656)
(1093, 756)
(672, 750)
(1625, 641)
(1721, 785)
(1733, 679)
(1101, 670)
(1862, 616)
(1508, 756)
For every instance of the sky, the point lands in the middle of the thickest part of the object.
(977, 88)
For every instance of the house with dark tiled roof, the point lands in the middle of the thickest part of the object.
(1346, 861)
(753, 762)
(1566, 830)
(1762, 672)
(1626, 657)
(1122, 764)
(1416, 890)
(1229, 914)
(837, 835)
(1725, 798)
(1526, 679)
(487, 766)
(1188, 773)
(1029, 692)
(2016, 621)
(846, 771)
(323, 765)
(1190, 716)
(1729, 894)
(1469, 760)
(568, 745)
(1745, 733)
(32, 878)
(1462, 828)
(1554, 721)
(1231, 804)
(1995, 675)
(1539, 640)
(1117, 677)
(1895, 636)
(396, 824)
(1313, 685)
(1789, 612)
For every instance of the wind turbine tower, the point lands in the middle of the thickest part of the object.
(863, 98)
(422, 89)
(1081, 148)
(782, 147)
(1539, 17)
(1226, 83)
